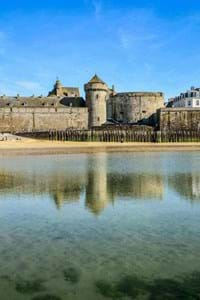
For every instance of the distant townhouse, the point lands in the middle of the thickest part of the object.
(191, 98)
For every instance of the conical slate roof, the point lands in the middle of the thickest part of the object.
(96, 79)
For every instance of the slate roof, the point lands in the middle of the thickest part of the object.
(41, 101)
(73, 101)
(96, 79)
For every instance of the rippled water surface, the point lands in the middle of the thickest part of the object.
(100, 226)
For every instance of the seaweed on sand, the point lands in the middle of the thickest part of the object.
(29, 286)
(107, 289)
(130, 286)
(72, 275)
(46, 297)
(185, 288)
(169, 289)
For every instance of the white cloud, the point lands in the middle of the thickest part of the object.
(28, 85)
(137, 28)
(97, 7)
(129, 39)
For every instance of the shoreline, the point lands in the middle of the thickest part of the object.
(40, 147)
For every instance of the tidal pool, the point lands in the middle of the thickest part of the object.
(100, 226)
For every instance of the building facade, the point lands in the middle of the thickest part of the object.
(191, 98)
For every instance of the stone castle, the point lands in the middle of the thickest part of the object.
(64, 108)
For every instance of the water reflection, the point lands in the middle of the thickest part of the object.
(97, 195)
(145, 246)
(98, 184)
(186, 185)
(66, 188)
(139, 186)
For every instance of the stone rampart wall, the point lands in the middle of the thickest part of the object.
(179, 118)
(28, 119)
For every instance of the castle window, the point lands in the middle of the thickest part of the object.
(43, 104)
(144, 111)
(98, 119)
(8, 104)
(197, 103)
(97, 96)
(23, 104)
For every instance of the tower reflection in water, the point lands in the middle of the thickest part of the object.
(104, 186)
(97, 182)
(98, 194)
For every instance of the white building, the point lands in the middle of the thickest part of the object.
(189, 99)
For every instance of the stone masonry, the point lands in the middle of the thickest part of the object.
(179, 118)
(135, 107)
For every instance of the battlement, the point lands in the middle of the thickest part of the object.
(140, 94)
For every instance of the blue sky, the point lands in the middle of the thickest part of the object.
(136, 45)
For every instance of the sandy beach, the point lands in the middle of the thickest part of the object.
(40, 147)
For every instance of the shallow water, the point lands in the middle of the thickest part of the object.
(90, 226)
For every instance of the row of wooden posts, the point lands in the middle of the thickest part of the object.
(124, 136)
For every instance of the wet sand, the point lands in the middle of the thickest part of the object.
(39, 147)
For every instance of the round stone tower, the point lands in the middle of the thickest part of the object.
(96, 96)
(58, 88)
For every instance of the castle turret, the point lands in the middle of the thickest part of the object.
(62, 91)
(58, 87)
(96, 96)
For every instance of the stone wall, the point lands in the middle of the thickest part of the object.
(28, 119)
(134, 107)
(179, 118)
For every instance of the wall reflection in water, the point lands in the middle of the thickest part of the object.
(186, 185)
(97, 183)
